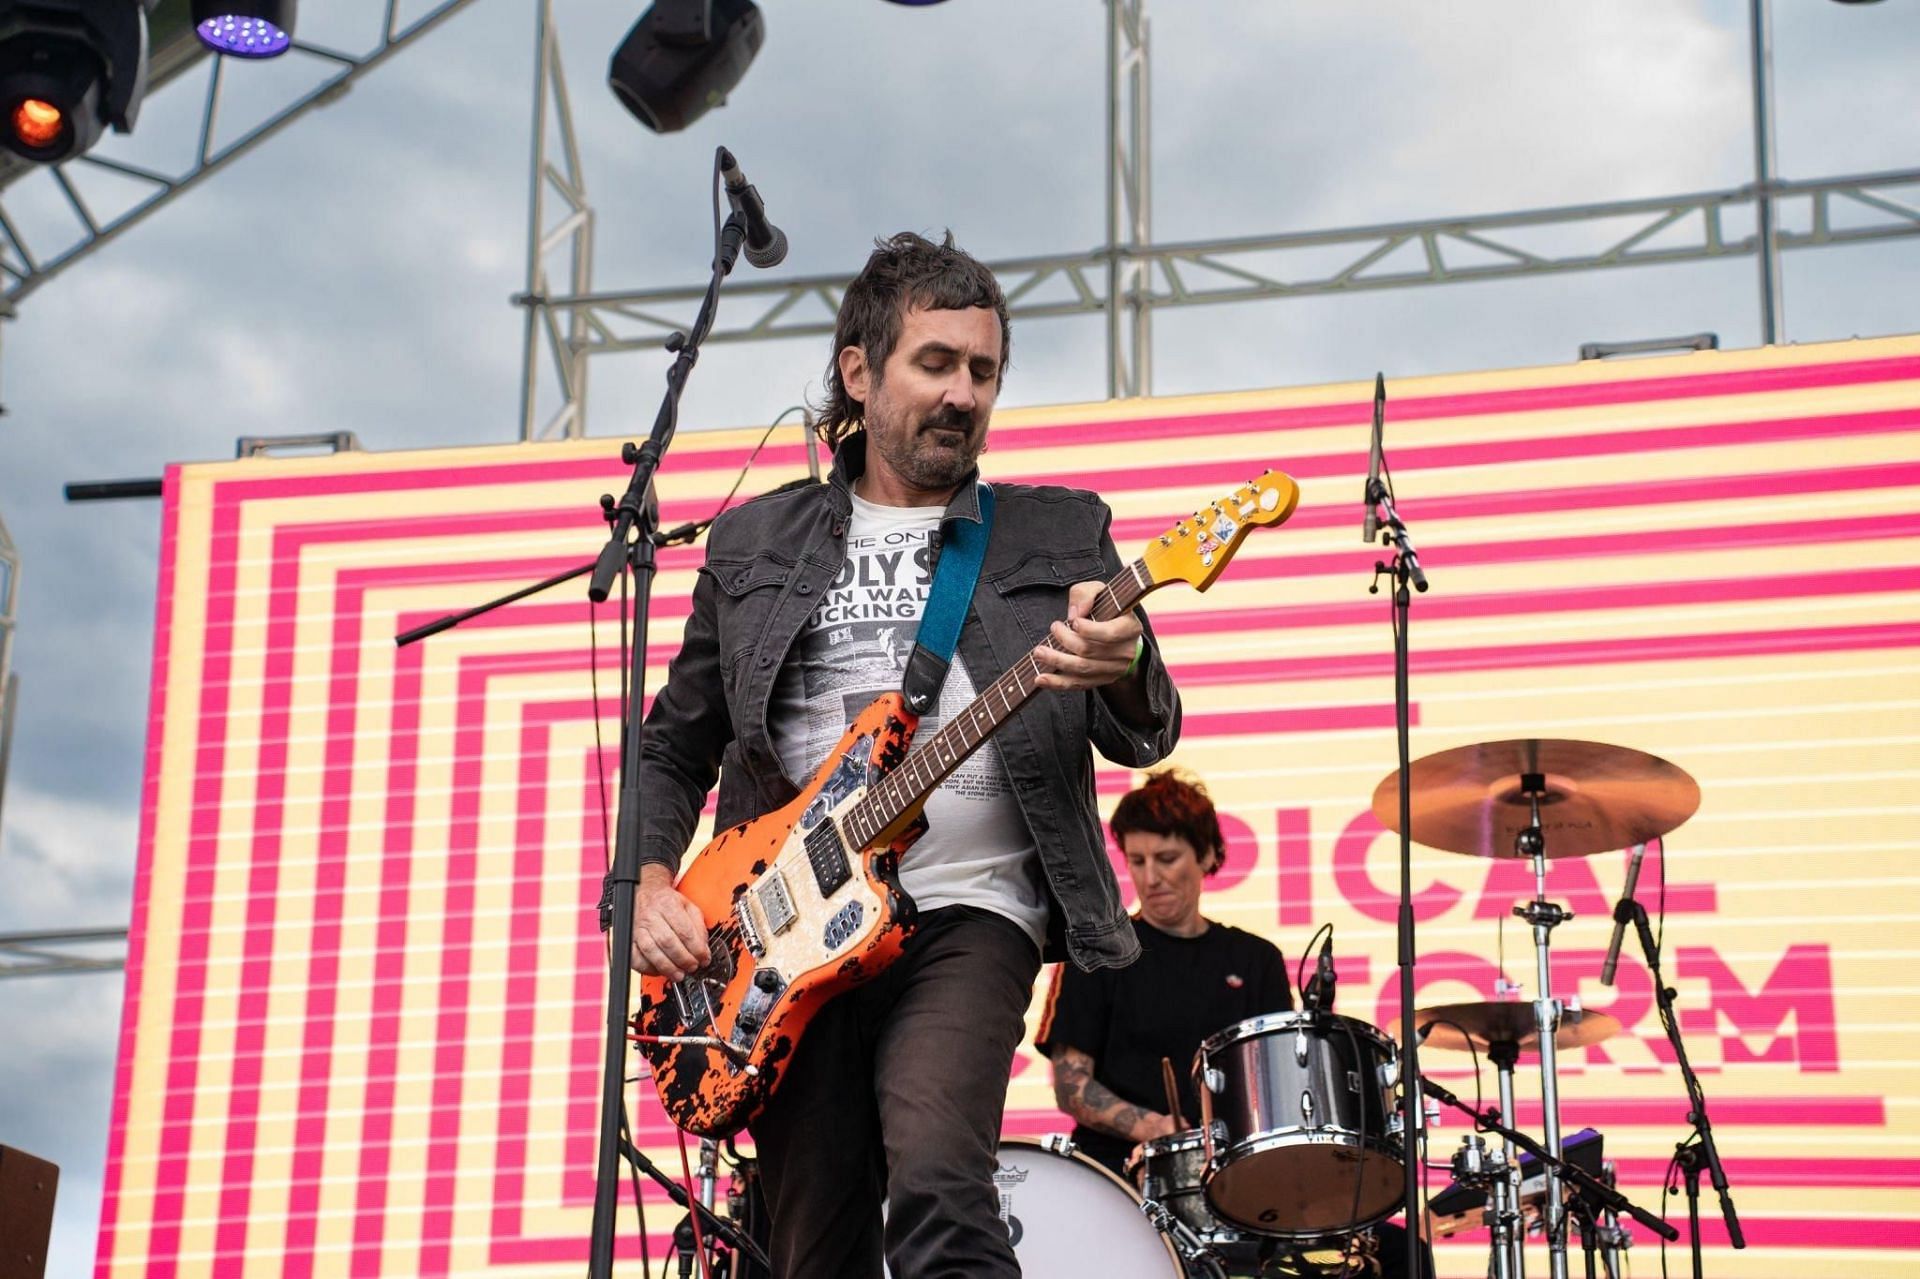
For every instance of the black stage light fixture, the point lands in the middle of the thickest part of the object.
(682, 59)
(68, 69)
(245, 28)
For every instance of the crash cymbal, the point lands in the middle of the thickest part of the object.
(1489, 1023)
(1596, 797)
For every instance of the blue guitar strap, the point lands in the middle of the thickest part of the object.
(963, 548)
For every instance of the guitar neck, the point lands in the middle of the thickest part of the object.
(905, 789)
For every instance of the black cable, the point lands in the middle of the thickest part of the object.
(765, 435)
(639, 1202)
(1473, 1054)
(599, 746)
(1299, 980)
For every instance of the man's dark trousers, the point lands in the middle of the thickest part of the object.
(896, 1091)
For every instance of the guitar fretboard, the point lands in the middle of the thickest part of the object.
(934, 760)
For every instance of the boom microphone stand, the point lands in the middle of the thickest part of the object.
(632, 546)
(1698, 1149)
(1597, 1191)
(1404, 569)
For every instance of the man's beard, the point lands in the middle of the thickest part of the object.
(921, 459)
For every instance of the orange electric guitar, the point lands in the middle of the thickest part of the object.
(805, 901)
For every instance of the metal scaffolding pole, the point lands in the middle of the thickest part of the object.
(1657, 231)
(1129, 202)
(1773, 300)
(571, 237)
(9, 680)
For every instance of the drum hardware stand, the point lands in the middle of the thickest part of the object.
(1195, 1255)
(1698, 1151)
(1601, 1237)
(1488, 1170)
(1544, 915)
(1404, 568)
(717, 1228)
(1505, 1055)
(1598, 1191)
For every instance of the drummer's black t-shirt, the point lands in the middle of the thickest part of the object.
(1180, 991)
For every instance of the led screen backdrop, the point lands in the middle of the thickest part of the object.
(364, 985)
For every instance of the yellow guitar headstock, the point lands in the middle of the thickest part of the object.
(1196, 550)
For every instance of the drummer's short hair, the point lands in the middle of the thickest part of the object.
(1174, 805)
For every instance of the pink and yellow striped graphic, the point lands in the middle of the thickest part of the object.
(364, 984)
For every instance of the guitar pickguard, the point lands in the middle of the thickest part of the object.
(854, 770)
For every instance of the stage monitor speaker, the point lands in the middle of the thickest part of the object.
(27, 1184)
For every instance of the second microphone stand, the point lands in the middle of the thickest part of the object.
(1698, 1151)
(1406, 573)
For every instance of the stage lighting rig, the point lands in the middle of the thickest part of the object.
(682, 59)
(68, 69)
(245, 28)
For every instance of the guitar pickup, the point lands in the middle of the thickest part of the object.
(827, 854)
(776, 903)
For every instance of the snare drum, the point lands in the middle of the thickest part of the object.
(1294, 1124)
(1069, 1216)
(1172, 1170)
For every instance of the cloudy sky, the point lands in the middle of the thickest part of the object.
(354, 274)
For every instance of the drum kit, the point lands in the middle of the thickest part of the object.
(1299, 1154)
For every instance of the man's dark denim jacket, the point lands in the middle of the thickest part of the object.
(769, 564)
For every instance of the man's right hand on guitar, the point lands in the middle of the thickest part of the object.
(669, 934)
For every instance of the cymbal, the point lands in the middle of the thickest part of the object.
(1597, 797)
(1489, 1023)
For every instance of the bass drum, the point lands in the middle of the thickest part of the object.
(1070, 1216)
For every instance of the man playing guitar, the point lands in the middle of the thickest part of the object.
(803, 612)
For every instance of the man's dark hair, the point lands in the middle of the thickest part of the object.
(905, 271)
(1173, 806)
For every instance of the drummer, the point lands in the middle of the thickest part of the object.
(1107, 1031)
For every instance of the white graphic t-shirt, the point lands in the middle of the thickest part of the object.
(977, 850)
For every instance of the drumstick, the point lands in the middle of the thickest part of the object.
(1173, 1094)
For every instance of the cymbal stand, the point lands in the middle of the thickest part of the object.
(1509, 1232)
(1614, 1238)
(1544, 915)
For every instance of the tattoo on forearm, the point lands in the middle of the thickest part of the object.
(1089, 1101)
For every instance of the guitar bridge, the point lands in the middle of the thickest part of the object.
(749, 931)
(696, 994)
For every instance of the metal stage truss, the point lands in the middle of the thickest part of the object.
(24, 268)
(1143, 276)
(63, 951)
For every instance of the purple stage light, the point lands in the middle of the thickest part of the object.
(242, 37)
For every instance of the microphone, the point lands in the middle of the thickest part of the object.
(1621, 914)
(766, 243)
(1370, 524)
(1320, 987)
